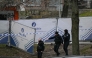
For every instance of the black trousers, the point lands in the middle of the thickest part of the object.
(39, 54)
(65, 46)
(56, 47)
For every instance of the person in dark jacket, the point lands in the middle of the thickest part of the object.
(58, 40)
(40, 48)
(66, 38)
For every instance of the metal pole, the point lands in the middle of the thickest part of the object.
(57, 24)
(10, 17)
(34, 39)
(9, 30)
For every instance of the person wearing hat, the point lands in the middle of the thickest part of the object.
(58, 40)
(66, 39)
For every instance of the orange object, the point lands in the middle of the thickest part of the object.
(16, 15)
(13, 8)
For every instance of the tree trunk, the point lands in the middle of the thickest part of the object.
(65, 8)
(75, 28)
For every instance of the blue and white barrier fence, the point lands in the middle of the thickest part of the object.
(25, 32)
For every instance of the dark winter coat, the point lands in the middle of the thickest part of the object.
(40, 46)
(66, 38)
(57, 39)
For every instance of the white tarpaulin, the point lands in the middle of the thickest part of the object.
(45, 28)
(64, 23)
(85, 28)
(22, 36)
(4, 26)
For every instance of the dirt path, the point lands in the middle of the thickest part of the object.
(50, 53)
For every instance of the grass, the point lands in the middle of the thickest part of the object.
(86, 13)
(87, 50)
(7, 51)
(13, 51)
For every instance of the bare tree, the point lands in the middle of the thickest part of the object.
(75, 27)
(65, 8)
(45, 4)
(5, 3)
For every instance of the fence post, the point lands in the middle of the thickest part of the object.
(10, 18)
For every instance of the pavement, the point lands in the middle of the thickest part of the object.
(70, 43)
(74, 57)
(10, 57)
